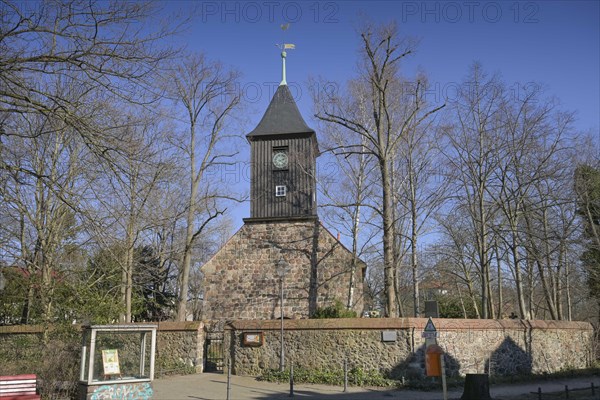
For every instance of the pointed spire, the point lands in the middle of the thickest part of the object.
(282, 116)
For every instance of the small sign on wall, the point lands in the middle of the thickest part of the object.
(388, 336)
(253, 339)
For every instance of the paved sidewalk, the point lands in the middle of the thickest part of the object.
(214, 387)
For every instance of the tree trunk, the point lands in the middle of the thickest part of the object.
(355, 233)
(127, 275)
(388, 242)
(518, 278)
(568, 292)
(313, 284)
(499, 266)
(129, 283)
(537, 258)
(472, 296)
(492, 311)
(553, 294)
(530, 285)
(184, 273)
(413, 258)
(484, 266)
(462, 303)
(123, 291)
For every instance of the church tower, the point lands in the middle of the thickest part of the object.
(282, 244)
(283, 158)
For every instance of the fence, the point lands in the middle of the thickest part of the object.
(566, 394)
(215, 352)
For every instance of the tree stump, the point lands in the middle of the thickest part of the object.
(477, 387)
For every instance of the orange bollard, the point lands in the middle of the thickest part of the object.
(433, 363)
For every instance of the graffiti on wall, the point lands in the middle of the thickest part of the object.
(126, 391)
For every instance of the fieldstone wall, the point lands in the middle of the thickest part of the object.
(20, 347)
(179, 348)
(500, 347)
(241, 281)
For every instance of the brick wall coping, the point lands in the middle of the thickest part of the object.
(180, 326)
(441, 324)
(21, 329)
(165, 326)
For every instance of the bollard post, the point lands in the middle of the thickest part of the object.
(593, 389)
(292, 379)
(228, 379)
(567, 391)
(539, 393)
(443, 368)
(345, 374)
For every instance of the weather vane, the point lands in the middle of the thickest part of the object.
(283, 47)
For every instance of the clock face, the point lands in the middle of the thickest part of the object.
(280, 160)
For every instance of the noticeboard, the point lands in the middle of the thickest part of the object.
(110, 362)
(253, 339)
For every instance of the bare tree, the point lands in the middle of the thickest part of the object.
(420, 192)
(458, 249)
(109, 48)
(203, 93)
(347, 187)
(64, 64)
(473, 159)
(39, 219)
(123, 189)
(376, 111)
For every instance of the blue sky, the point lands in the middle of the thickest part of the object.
(555, 43)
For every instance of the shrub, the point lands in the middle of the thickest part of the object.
(336, 310)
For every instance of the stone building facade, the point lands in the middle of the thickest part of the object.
(241, 280)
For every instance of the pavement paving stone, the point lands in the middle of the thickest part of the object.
(209, 386)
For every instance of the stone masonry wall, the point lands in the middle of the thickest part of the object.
(20, 346)
(179, 345)
(179, 348)
(501, 347)
(241, 281)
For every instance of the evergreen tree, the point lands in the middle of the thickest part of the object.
(587, 187)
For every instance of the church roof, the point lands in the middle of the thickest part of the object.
(282, 116)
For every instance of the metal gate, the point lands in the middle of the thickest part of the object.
(214, 352)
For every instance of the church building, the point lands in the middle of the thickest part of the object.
(282, 245)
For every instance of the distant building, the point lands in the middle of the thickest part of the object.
(283, 233)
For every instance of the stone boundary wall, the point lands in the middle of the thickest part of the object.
(179, 346)
(501, 347)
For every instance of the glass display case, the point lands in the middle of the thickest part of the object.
(118, 359)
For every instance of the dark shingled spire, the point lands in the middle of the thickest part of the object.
(282, 117)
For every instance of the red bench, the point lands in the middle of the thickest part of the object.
(19, 387)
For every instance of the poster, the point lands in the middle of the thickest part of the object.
(110, 361)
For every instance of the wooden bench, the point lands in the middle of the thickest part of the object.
(19, 387)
